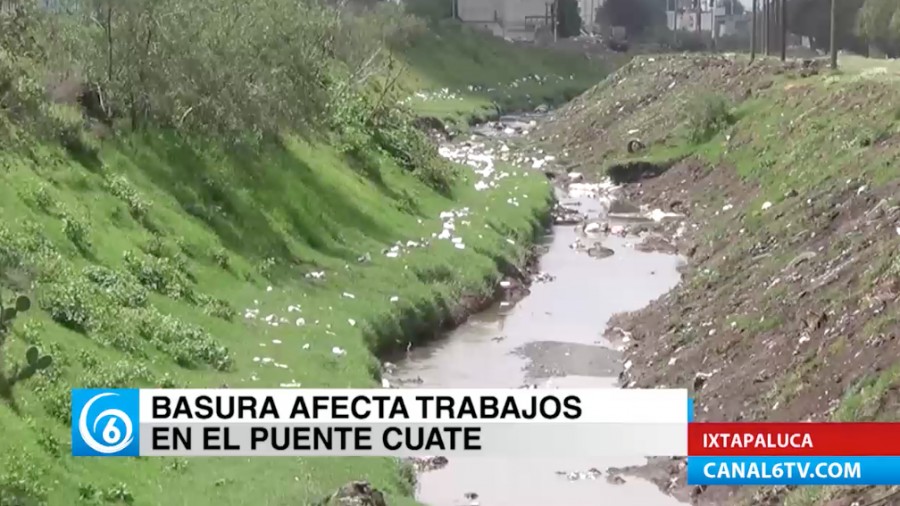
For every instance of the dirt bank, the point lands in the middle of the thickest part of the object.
(788, 309)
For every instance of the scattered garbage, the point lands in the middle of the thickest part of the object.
(634, 145)
(566, 216)
(658, 215)
(590, 474)
(615, 479)
(356, 492)
(542, 277)
(424, 464)
(600, 251)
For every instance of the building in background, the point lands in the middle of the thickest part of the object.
(587, 9)
(511, 19)
(729, 16)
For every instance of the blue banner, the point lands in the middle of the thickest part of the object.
(105, 422)
(793, 471)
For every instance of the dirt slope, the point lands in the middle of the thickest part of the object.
(789, 307)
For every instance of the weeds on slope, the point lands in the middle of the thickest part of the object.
(208, 70)
(208, 268)
(707, 115)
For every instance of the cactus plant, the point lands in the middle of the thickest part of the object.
(34, 361)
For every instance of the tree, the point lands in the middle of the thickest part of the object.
(879, 23)
(568, 19)
(812, 18)
(635, 15)
(733, 6)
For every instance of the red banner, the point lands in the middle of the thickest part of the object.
(799, 439)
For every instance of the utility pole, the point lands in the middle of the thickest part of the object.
(770, 34)
(555, 10)
(773, 45)
(784, 30)
(675, 20)
(699, 16)
(834, 64)
(776, 25)
(753, 31)
(713, 25)
(765, 27)
(593, 16)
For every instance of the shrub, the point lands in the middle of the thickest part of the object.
(48, 441)
(158, 247)
(118, 493)
(707, 116)
(120, 187)
(122, 287)
(38, 197)
(395, 134)
(216, 307)
(67, 124)
(71, 302)
(188, 345)
(220, 257)
(21, 481)
(77, 230)
(159, 275)
(266, 268)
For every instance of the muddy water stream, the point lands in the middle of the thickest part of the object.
(550, 339)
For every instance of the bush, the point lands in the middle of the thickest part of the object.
(38, 197)
(120, 187)
(67, 124)
(22, 482)
(395, 134)
(220, 256)
(21, 94)
(72, 303)
(159, 275)
(707, 116)
(121, 287)
(188, 345)
(216, 307)
(77, 230)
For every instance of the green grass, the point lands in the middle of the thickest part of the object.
(169, 242)
(164, 261)
(485, 73)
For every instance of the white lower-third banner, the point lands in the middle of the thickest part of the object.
(380, 422)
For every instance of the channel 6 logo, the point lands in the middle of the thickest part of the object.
(105, 422)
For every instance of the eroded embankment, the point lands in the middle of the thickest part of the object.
(789, 306)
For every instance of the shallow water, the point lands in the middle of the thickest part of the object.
(552, 338)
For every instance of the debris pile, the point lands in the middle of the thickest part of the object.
(355, 493)
(425, 464)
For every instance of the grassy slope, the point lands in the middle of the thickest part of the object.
(212, 233)
(823, 151)
(466, 74)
